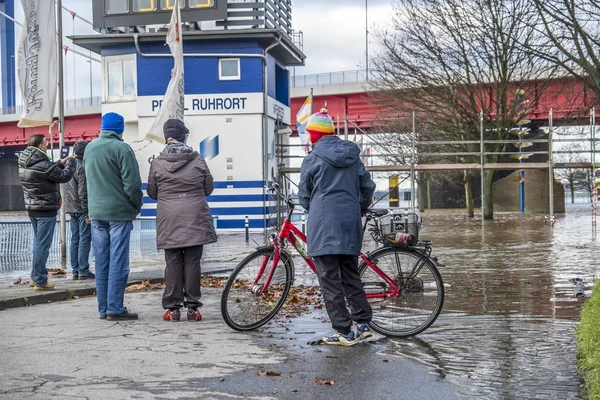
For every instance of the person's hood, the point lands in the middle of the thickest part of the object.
(337, 152)
(79, 148)
(177, 156)
(31, 156)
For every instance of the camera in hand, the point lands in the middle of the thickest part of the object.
(64, 152)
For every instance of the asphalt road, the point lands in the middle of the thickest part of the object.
(62, 350)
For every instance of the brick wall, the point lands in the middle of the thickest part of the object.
(506, 193)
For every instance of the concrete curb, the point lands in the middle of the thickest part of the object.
(60, 295)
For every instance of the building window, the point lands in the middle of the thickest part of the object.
(229, 69)
(170, 4)
(120, 78)
(406, 196)
(144, 5)
(201, 3)
(116, 7)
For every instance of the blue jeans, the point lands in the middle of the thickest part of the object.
(81, 239)
(43, 233)
(111, 249)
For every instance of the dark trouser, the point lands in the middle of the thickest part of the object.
(339, 279)
(81, 241)
(182, 277)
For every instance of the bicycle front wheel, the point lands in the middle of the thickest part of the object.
(421, 294)
(242, 306)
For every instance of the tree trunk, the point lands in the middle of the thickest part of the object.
(488, 178)
(421, 190)
(572, 185)
(428, 196)
(468, 194)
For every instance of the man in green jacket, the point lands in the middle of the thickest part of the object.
(114, 200)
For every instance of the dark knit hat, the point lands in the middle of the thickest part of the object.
(175, 128)
(79, 148)
(113, 122)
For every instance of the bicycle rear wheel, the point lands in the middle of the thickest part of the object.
(242, 307)
(421, 292)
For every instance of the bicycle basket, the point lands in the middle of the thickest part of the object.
(391, 224)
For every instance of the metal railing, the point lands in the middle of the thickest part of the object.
(95, 101)
(16, 241)
(330, 78)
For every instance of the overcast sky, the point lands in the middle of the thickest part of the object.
(334, 38)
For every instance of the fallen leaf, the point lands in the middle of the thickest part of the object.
(331, 356)
(75, 297)
(144, 285)
(18, 281)
(222, 380)
(388, 361)
(324, 382)
(268, 373)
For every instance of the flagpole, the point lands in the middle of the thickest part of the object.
(61, 131)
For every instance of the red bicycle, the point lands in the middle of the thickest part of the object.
(402, 283)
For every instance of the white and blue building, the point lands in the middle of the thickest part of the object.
(237, 99)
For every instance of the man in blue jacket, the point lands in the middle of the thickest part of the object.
(334, 188)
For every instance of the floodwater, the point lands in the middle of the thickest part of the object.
(507, 330)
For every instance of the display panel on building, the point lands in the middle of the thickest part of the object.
(122, 13)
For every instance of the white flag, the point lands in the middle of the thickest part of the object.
(36, 60)
(173, 103)
(302, 120)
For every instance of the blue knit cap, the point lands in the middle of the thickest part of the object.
(113, 122)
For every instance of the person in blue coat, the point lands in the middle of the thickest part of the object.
(335, 188)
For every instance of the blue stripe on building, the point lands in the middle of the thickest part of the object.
(230, 185)
(240, 223)
(226, 198)
(151, 212)
(239, 184)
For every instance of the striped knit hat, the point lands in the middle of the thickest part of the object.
(319, 125)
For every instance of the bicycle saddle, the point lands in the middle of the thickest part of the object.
(376, 213)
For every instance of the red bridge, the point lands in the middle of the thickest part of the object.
(567, 97)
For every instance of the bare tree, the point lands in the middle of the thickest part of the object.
(450, 60)
(570, 38)
(573, 176)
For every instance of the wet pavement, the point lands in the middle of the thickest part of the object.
(75, 355)
(506, 331)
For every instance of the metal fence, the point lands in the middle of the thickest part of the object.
(16, 241)
(95, 101)
(330, 78)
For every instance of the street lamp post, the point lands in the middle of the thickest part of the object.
(91, 95)
(367, 38)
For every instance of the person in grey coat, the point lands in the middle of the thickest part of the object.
(334, 188)
(180, 180)
(76, 205)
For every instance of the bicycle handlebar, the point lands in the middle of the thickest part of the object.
(274, 189)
